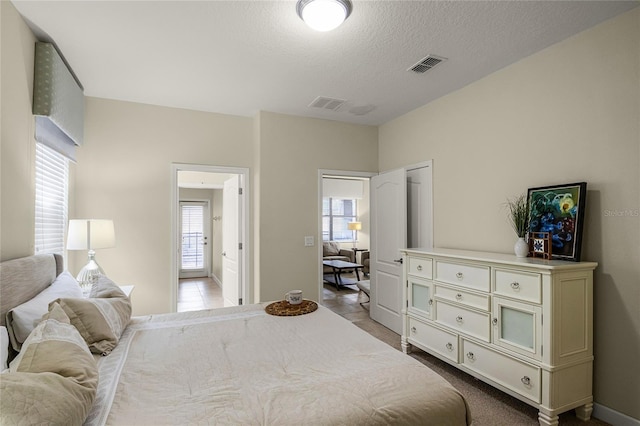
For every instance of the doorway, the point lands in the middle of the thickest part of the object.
(401, 217)
(204, 218)
(195, 237)
(333, 226)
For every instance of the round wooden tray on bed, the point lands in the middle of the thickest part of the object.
(283, 308)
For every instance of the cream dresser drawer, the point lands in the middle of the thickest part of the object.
(518, 285)
(473, 323)
(421, 267)
(509, 372)
(436, 339)
(471, 276)
(474, 300)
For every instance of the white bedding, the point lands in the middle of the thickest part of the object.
(242, 366)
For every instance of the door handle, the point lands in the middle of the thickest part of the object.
(224, 253)
(398, 261)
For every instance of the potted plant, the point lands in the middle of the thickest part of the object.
(519, 219)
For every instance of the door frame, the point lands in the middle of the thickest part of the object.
(428, 164)
(245, 204)
(321, 174)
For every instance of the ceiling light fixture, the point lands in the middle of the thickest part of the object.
(323, 15)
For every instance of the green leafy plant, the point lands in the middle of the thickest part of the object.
(519, 214)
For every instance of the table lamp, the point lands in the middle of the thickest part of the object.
(90, 234)
(354, 226)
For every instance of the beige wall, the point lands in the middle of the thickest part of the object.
(17, 150)
(569, 113)
(123, 173)
(292, 149)
(216, 239)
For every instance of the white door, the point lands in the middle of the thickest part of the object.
(419, 210)
(388, 236)
(231, 238)
(194, 231)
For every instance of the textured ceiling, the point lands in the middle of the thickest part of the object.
(240, 57)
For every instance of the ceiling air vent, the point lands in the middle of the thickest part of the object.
(327, 103)
(426, 64)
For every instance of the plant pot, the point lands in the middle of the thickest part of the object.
(521, 248)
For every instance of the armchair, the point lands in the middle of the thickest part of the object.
(364, 259)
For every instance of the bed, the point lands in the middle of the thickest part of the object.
(232, 366)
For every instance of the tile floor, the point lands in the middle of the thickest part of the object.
(199, 293)
(348, 302)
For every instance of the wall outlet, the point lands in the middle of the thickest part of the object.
(308, 241)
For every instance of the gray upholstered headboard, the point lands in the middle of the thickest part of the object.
(22, 279)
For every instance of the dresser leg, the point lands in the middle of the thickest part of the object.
(584, 412)
(406, 346)
(546, 420)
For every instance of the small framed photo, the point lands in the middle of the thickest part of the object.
(540, 244)
(559, 210)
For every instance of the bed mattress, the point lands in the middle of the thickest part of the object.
(241, 366)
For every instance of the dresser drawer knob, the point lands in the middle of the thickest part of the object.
(430, 301)
(495, 321)
(515, 285)
(413, 329)
(459, 275)
(471, 356)
(449, 347)
(526, 381)
(459, 296)
(419, 268)
(459, 319)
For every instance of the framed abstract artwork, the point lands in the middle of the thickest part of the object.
(559, 210)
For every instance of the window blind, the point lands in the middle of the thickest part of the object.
(52, 183)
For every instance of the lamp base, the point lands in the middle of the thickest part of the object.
(89, 274)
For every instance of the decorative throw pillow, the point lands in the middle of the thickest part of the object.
(54, 378)
(330, 249)
(102, 318)
(22, 319)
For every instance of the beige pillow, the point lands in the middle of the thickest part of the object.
(102, 318)
(22, 319)
(54, 378)
(330, 249)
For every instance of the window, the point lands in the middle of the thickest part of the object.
(336, 214)
(52, 189)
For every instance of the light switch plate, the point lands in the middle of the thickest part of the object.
(308, 241)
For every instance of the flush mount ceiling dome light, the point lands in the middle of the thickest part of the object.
(323, 15)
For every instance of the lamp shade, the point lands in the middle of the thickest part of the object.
(354, 226)
(90, 234)
(323, 15)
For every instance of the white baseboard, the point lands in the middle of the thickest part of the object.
(612, 416)
(214, 278)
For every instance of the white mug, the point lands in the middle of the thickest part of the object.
(294, 297)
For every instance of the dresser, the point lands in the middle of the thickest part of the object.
(523, 325)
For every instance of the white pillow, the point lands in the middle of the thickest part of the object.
(4, 348)
(22, 319)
